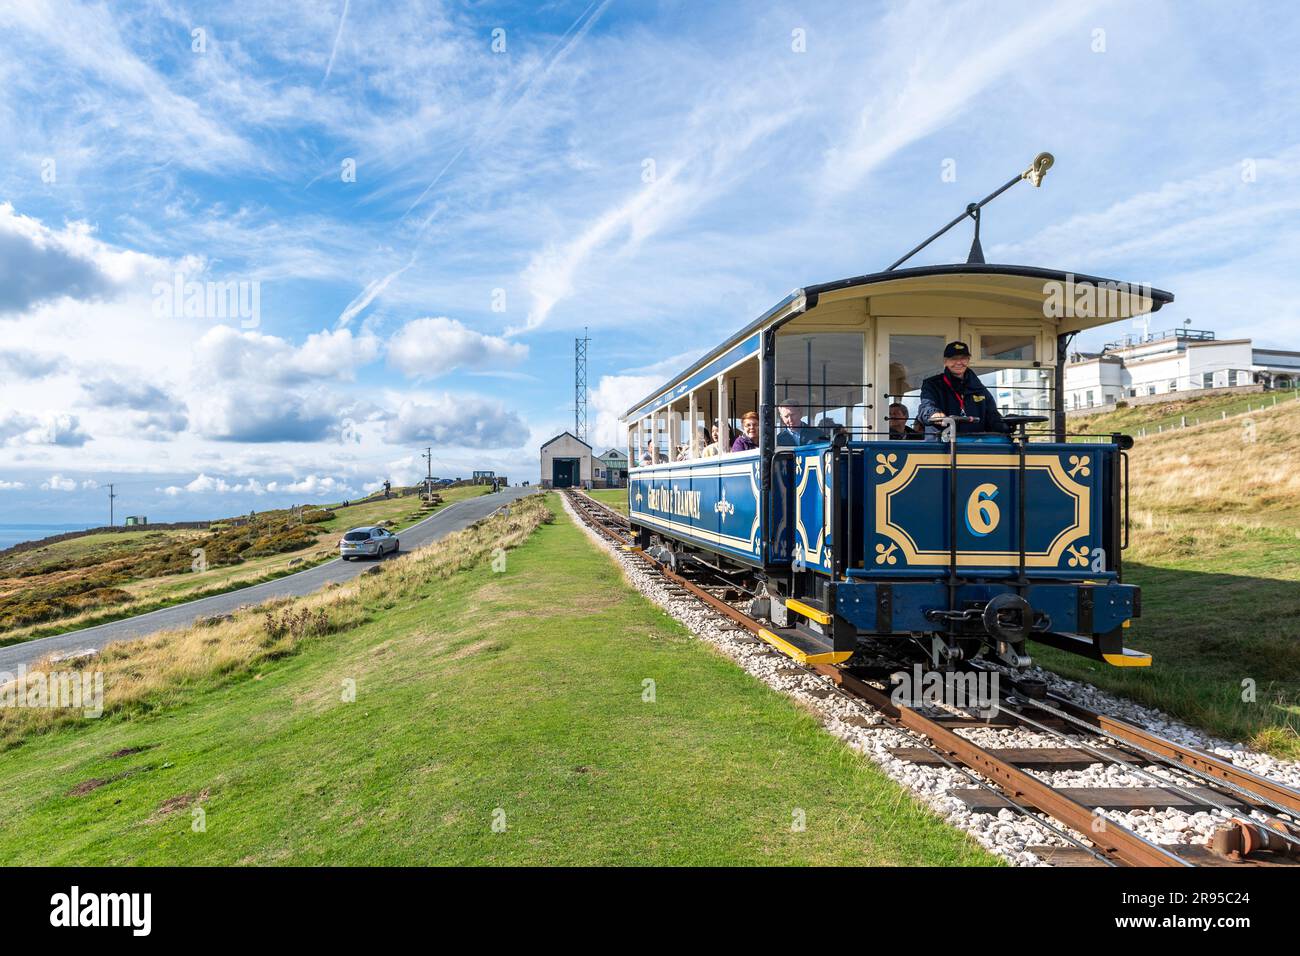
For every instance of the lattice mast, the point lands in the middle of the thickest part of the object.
(580, 386)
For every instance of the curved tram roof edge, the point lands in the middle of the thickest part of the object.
(806, 298)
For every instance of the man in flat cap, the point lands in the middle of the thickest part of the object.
(958, 391)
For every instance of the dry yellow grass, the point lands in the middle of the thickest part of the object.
(140, 674)
(1244, 465)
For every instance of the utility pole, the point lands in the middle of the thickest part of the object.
(111, 496)
(428, 459)
(580, 386)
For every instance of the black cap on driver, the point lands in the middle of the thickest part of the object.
(955, 349)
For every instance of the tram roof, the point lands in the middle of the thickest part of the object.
(1019, 282)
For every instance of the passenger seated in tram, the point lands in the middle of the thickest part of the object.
(748, 438)
(700, 443)
(793, 430)
(899, 429)
(827, 429)
(651, 454)
(958, 391)
(718, 447)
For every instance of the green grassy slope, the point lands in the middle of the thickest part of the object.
(514, 697)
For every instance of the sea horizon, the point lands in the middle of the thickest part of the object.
(17, 532)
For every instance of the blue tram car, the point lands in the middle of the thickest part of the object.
(849, 520)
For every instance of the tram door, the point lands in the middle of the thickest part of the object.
(908, 351)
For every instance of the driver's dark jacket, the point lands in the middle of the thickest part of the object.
(937, 396)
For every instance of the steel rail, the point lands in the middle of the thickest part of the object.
(1115, 840)
(1204, 765)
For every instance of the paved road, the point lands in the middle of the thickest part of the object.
(454, 517)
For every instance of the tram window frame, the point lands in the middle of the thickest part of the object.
(821, 415)
(975, 333)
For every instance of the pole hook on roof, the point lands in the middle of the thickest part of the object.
(1035, 173)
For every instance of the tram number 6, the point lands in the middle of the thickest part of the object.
(982, 514)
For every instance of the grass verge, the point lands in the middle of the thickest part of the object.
(516, 698)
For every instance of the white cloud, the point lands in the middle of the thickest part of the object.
(11, 485)
(613, 396)
(55, 428)
(426, 348)
(205, 484)
(149, 118)
(374, 288)
(228, 354)
(244, 412)
(1219, 212)
(314, 485)
(28, 365)
(59, 483)
(39, 264)
(459, 420)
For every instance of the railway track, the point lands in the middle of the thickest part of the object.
(1259, 815)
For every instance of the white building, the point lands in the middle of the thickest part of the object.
(1181, 360)
(611, 469)
(566, 462)
(1021, 391)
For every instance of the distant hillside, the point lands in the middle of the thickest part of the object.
(85, 578)
(1170, 414)
(1243, 465)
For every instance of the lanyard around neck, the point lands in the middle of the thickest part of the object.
(960, 400)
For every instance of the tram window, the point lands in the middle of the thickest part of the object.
(1008, 347)
(821, 373)
(912, 359)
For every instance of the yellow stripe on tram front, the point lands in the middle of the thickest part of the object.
(1128, 659)
(808, 611)
(803, 657)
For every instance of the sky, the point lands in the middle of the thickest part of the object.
(256, 254)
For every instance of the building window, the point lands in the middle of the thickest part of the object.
(1207, 380)
(1090, 398)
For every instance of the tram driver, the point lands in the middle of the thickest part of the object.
(958, 391)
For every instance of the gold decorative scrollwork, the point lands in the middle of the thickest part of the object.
(1077, 555)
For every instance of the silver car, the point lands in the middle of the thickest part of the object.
(368, 542)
